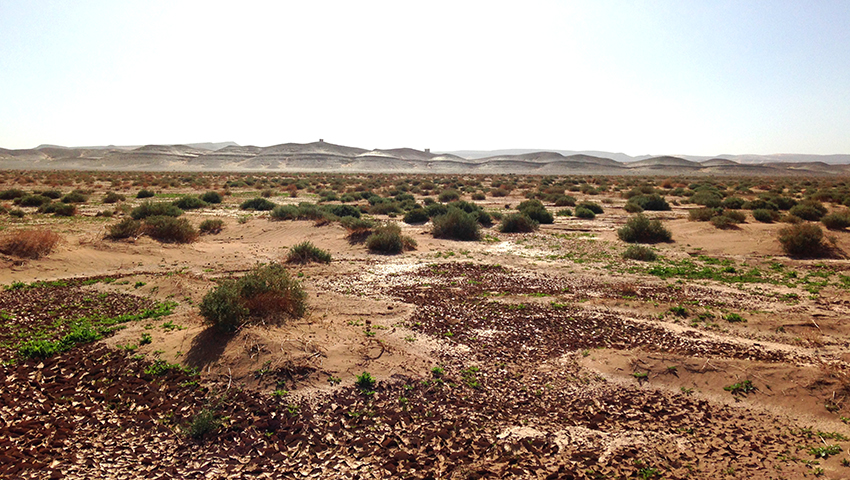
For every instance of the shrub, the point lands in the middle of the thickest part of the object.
(735, 216)
(518, 223)
(189, 202)
(34, 243)
(809, 210)
(52, 194)
(448, 196)
(836, 220)
(641, 253)
(765, 215)
(702, 214)
(709, 199)
(32, 200)
(344, 210)
(733, 203)
(258, 203)
(365, 382)
(11, 194)
(284, 212)
(266, 292)
(202, 424)
(632, 207)
(151, 209)
(75, 197)
(760, 203)
(535, 210)
(804, 240)
(640, 229)
(564, 212)
(650, 202)
(387, 238)
(64, 209)
(211, 197)
(587, 213)
(436, 209)
(170, 229)
(565, 201)
(457, 225)
(723, 222)
(306, 252)
(211, 226)
(112, 197)
(593, 207)
(358, 228)
(479, 196)
(17, 213)
(145, 194)
(126, 228)
(417, 215)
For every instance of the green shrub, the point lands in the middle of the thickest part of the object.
(32, 200)
(126, 228)
(735, 216)
(11, 194)
(650, 202)
(145, 194)
(765, 215)
(709, 199)
(267, 292)
(760, 203)
(535, 210)
(640, 229)
(155, 209)
(804, 240)
(417, 215)
(518, 223)
(593, 207)
(306, 252)
(112, 197)
(211, 197)
(170, 229)
(836, 220)
(358, 228)
(189, 202)
(809, 210)
(582, 212)
(344, 210)
(448, 195)
(64, 209)
(456, 225)
(702, 214)
(52, 194)
(17, 213)
(632, 207)
(284, 212)
(479, 196)
(723, 222)
(640, 253)
(733, 203)
(258, 203)
(387, 238)
(211, 226)
(366, 382)
(436, 209)
(75, 197)
(565, 201)
(202, 424)
(564, 212)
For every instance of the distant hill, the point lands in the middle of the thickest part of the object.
(328, 157)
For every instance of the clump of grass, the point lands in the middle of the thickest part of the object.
(34, 243)
(358, 228)
(456, 224)
(306, 252)
(75, 197)
(211, 226)
(640, 253)
(640, 229)
(170, 229)
(126, 228)
(518, 223)
(202, 424)
(267, 292)
(387, 238)
(417, 215)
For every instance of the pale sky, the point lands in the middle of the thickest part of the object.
(639, 77)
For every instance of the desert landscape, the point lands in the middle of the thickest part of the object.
(322, 325)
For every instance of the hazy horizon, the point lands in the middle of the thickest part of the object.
(651, 78)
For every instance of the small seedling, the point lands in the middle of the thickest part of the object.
(438, 372)
(741, 388)
(366, 383)
(146, 339)
(334, 380)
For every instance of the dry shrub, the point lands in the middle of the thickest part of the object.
(34, 243)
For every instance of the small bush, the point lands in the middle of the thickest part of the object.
(366, 382)
(640, 253)
(266, 292)
(306, 252)
(586, 213)
(344, 210)
(733, 203)
(112, 197)
(593, 207)
(64, 209)
(11, 194)
(436, 209)
(564, 212)
(650, 202)
(765, 215)
(170, 229)
(565, 201)
(52, 194)
(809, 210)
(145, 194)
(126, 228)
(518, 223)
(155, 209)
(479, 196)
(640, 229)
(284, 212)
(702, 214)
(632, 207)
(535, 210)
(804, 240)
(708, 199)
(189, 202)
(211, 226)
(34, 243)
(449, 195)
(17, 213)
(387, 238)
(836, 220)
(258, 203)
(211, 197)
(417, 215)
(32, 200)
(75, 197)
(457, 225)
(202, 424)
(358, 228)
(723, 222)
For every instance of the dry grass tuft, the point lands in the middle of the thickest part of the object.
(34, 243)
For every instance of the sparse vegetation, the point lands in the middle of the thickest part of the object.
(640, 229)
(306, 252)
(30, 243)
(803, 240)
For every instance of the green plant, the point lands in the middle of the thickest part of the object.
(146, 339)
(202, 424)
(387, 238)
(155, 209)
(112, 197)
(809, 210)
(649, 202)
(456, 224)
(126, 228)
(306, 252)
(586, 213)
(417, 215)
(734, 318)
(593, 207)
(518, 223)
(189, 202)
(75, 197)
(640, 229)
(170, 229)
(365, 382)
(765, 215)
(145, 194)
(837, 220)
(438, 372)
(679, 311)
(266, 291)
(211, 197)
(211, 226)
(741, 388)
(825, 451)
(804, 240)
(258, 203)
(640, 253)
